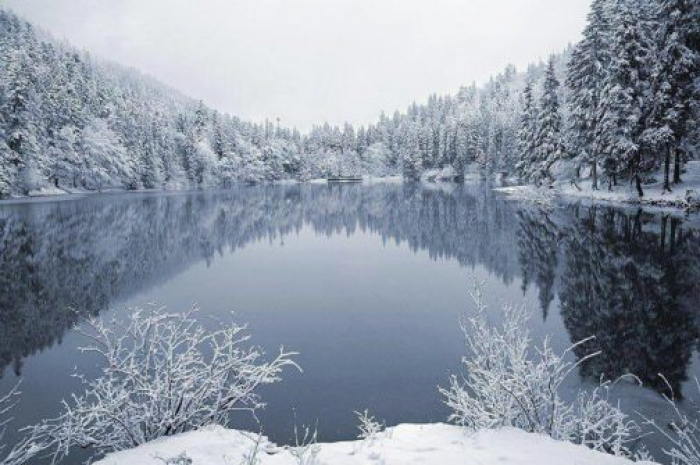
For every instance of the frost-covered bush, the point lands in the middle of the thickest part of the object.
(163, 374)
(369, 427)
(306, 448)
(683, 433)
(27, 447)
(509, 381)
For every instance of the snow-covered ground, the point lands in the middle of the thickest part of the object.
(435, 444)
(684, 195)
(447, 174)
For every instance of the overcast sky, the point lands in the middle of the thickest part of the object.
(310, 61)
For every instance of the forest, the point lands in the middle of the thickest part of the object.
(622, 104)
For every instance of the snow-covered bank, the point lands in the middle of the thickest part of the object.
(438, 444)
(62, 194)
(685, 195)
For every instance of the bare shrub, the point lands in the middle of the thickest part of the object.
(509, 381)
(28, 446)
(369, 427)
(682, 433)
(163, 374)
(306, 448)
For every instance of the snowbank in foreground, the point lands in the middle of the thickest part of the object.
(438, 444)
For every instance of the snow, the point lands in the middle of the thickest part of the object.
(439, 175)
(624, 193)
(404, 444)
(382, 179)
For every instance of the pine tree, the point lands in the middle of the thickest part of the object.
(586, 70)
(676, 70)
(547, 143)
(622, 104)
(526, 132)
(151, 169)
(20, 110)
(7, 170)
(411, 154)
(218, 140)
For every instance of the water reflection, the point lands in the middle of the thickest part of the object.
(631, 279)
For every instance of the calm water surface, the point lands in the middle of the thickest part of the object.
(367, 282)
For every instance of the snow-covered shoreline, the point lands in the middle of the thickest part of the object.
(72, 194)
(438, 444)
(683, 196)
(622, 195)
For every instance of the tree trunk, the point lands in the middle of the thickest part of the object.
(638, 185)
(667, 170)
(594, 173)
(677, 168)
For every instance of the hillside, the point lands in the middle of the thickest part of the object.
(70, 123)
(620, 105)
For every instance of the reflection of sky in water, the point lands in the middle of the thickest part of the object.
(375, 321)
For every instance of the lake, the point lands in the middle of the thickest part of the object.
(366, 282)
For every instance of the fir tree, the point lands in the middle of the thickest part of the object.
(411, 155)
(526, 133)
(20, 110)
(675, 72)
(547, 143)
(622, 104)
(586, 70)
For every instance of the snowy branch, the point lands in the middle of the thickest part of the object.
(509, 381)
(163, 374)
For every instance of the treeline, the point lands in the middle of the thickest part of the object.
(70, 122)
(634, 83)
(621, 104)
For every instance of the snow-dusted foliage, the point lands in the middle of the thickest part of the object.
(163, 374)
(546, 142)
(306, 449)
(510, 381)
(682, 433)
(589, 60)
(27, 447)
(369, 427)
(630, 105)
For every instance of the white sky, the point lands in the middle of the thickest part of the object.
(310, 61)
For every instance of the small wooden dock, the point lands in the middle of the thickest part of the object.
(345, 179)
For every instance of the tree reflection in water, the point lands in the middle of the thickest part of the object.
(629, 278)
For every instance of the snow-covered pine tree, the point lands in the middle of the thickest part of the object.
(623, 96)
(526, 132)
(586, 69)
(411, 157)
(676, 67)
(20, 110)
(218, 144)
(547, 143)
